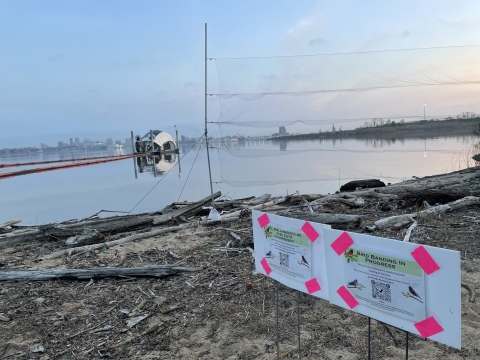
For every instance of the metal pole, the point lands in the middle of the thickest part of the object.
(424, 118)
(178, 152)
(133, 144)
(369, 338)
(276, 313)
(406, 345)
(134, 159)
(298, 325)
(206, 117)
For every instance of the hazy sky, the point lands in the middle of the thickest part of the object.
(102, 68)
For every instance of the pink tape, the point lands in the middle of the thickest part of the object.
(266, 266)
(425, 260)
(311, 233)
(263, 220)
(347, 297)
(312, 286)
(342, 243)
(428, 327)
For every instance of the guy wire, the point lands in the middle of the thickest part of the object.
(181, 192)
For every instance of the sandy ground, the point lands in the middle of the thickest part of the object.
(222, 311)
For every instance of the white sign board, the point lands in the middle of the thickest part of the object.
(292, 252)
(412, 287)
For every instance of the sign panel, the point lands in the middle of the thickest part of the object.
(292, 252)
(412, 287)
(385, 281)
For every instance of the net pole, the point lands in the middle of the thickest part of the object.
(206, 119)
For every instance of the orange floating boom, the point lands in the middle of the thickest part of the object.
(65, 160)
(67, 166)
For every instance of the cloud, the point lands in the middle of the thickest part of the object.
(319, 41)
(55, 58)
(450, 23)
(406, 34)
(300, 27)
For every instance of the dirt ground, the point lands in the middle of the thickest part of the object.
(222, 311)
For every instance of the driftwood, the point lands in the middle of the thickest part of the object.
(389, 222)
(84, 249)
(409, 231)
(256, 207)
(339, 221)
(105, 226)
(91, 273)
(63, 231)
(471, 291)
(207, 222)
(258, 200)
(23, 236)
(186, 211)
(438, 188)
(89, 236)
(10, 223)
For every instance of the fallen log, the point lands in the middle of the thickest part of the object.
(87, 248)
(64, 231)
(438, 188)
(107, 226)
(24, 236)
(92, 273)
(390, 221)
(186, 211)
(338, 221)
(9, 223)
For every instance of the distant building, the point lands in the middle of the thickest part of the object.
(60, 144)
(128, 141)
(282, 130)
(43, 146)
(109, 142)
(71, 141)
(77, 141)
(118, 142)
(333, 128)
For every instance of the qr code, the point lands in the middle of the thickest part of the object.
(284, 259)
(381, 291)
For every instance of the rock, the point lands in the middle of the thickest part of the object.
(38, 349)
(364, 184)
(39, 300)
(4, 318)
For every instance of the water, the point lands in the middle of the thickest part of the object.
(250, 168)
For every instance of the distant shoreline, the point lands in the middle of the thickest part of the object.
(413, 130)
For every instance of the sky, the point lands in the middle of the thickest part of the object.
(98, 69)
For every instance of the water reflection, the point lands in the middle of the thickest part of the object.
(159, 164)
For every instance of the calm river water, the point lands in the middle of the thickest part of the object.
(238, 170)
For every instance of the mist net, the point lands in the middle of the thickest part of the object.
(266, 97)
